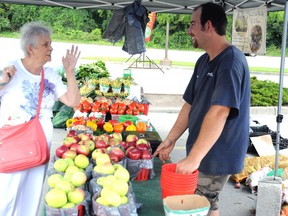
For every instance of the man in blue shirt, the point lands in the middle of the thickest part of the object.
(216, 108)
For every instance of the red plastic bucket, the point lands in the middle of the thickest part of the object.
(173, 183)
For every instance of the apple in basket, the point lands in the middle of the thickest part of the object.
(60, 150)
(133, 153)
(131, 138)
(97, 152)
(69, 154)
(69, 141)
(72, 133)
(83, 149)
(101, 144)
(74, 147)
(146, 155)
(142, 142)
(76, 196)
(117, 151)
(90, 144)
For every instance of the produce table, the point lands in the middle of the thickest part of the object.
(149, 193)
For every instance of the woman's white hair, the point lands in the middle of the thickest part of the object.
(30, 33)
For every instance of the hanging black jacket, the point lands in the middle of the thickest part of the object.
(130, 22)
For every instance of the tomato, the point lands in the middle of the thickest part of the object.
(103, 111)
(114, 105)
(118, 127)
(141, 127)
(141, 108)
(121, 106)
(120, 111)
(86, 106)
(129, 111)
(136, 112)
(132, 105)
(96, 104)
(113, 110)
(95, 109)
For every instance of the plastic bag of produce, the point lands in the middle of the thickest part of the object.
(128, 209)
(140, 169)
(81, 209)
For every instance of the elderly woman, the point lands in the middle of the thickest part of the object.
(20, 191)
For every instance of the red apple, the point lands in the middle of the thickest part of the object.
(131, 138)
(117, 151)
(72, 133)
(74, 147)
(134, 154)
(68, 141)
(60, 150)
(113, 157)
(146, 155)
(142, 146)
(101, 144)
(128, 149)
(142, 141)
(69, 154)
(83, 149)
(123, 144)
(130, 144)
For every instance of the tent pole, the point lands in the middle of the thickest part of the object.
(282, 66)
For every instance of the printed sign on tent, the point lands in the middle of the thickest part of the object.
(149, 26)
(249, 30)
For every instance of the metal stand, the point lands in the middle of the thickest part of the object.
(143, 61)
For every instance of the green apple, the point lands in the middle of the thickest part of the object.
(106, 181)
(68, 205)
(70, 161)
(107, 168)
(65, 185)
(124, 200)
(81, 161)
(60, 165)
(76, 196)
(102, 158)
(54, 179)
(120, 186)
(78, 178)
(122, 173)
(67, 176)
(102, 201)
(112, 198)
(56, 198)
(72, 169)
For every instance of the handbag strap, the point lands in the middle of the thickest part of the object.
(40, 94)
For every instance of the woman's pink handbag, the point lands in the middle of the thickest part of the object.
(24, 146)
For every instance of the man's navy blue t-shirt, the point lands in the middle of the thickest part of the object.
(223, 81)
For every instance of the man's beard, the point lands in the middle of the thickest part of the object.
(195, 43)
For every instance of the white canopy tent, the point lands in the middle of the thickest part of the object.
(184, 7)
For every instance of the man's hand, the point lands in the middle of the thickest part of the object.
(164, 150)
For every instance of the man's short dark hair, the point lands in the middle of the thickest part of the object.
(216, 14)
